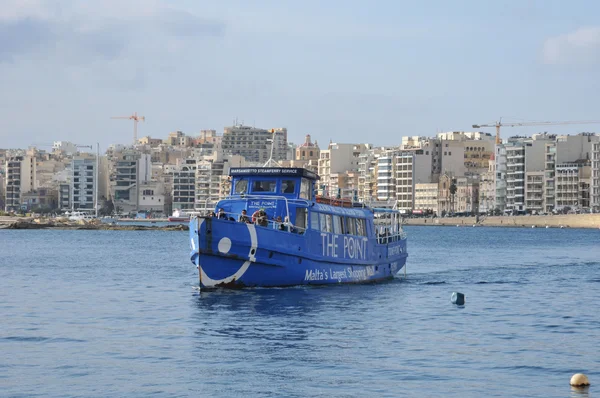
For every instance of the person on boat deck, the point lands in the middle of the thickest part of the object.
(287, 225)
(244, 217)
(260, 218)
(212, 214)
(279, 224)
(222, 214)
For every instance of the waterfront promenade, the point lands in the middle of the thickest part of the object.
(554, 221)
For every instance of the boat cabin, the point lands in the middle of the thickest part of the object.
(291, 183)
(277, 194)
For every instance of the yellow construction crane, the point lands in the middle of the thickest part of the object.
(135, 119)
(499, 123)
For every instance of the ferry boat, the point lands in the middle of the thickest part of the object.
(273, 231)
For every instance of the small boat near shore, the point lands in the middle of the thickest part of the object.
(273, 231)
(179, 216)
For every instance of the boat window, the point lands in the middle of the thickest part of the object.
(314, 220)
(241, 186)
(301, 218)
(264, 186)
(322, 222)
(361, 227)
(288, 186)
(305, 192)
(325, 221)
(351, 225)
(337, 225)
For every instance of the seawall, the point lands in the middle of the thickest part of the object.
(557, 221)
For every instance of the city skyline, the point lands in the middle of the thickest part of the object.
(338, 71)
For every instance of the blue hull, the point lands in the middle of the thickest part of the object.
(231, 254)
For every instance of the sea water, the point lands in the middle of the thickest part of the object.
(118, 313)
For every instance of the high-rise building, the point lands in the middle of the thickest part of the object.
(128, 169)
(83, 183)
(20, 171)
(255, 144)
(595, 189)
(184, 185)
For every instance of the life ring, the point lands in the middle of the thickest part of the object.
(255, 216)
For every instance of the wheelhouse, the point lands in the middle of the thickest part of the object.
(291, 183)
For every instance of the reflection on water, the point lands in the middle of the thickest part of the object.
(580, 392)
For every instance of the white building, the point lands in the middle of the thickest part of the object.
(184, 185)
(83, 183)
(386, 177)
(426, 197)
(152, 197)
(595, 189)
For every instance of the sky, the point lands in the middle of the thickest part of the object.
(340, 70)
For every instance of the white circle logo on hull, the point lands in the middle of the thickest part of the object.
(224, 246)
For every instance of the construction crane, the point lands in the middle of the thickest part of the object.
(135, 119)
(499, 124)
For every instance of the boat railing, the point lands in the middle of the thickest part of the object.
(284, 225)
(388, 225)
(287, 200)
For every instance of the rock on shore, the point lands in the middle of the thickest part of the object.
(40, 223)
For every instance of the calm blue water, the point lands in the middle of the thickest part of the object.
(115, 313)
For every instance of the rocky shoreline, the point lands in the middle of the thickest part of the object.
(59, 223)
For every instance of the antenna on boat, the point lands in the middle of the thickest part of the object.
(272, 162)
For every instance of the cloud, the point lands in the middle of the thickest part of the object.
(23, 36)
(73, 32)
(579, 47)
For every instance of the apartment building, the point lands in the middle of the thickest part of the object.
(255, 144)
(184, 185)
(573, 182)
(467, 194)
(127, 170)
(534, 191)
(426, 197)
(178, 139)
(20, 171)
(212, 180)
(487, 188)
(338, 158)
(386, 176)
(411, 167)
(595, 188)
(151, 142)
(367, 174)
(152, 198)
(83, 183)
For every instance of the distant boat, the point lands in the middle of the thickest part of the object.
(179, 216)
(287, 236)
(79, 215)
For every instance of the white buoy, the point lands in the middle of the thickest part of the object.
(547, 226)
(579, 380)
(533, 226)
